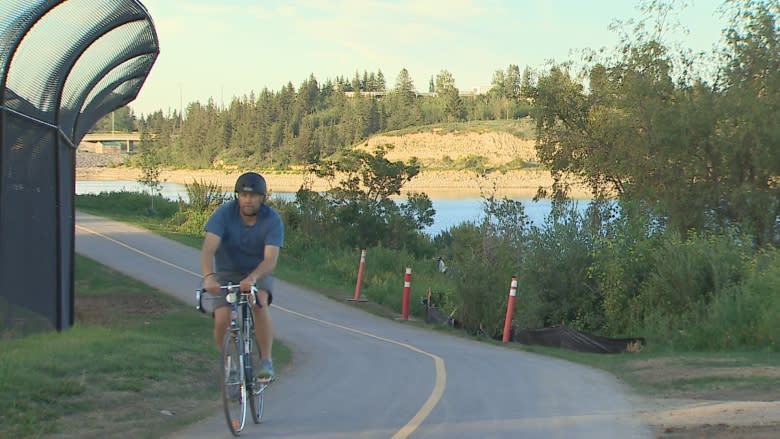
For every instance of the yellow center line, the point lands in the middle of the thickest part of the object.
(441, 372)
(438, 388)
(140, 252)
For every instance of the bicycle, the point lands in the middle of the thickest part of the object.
(240, 357)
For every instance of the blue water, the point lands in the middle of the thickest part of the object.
(449, 212)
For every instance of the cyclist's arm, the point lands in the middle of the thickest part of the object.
(207, 252)
(270, 257)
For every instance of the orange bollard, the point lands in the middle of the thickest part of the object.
(359, 283)
(510, 308)
(407, 292)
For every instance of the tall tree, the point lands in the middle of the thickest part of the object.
(356, 83)
(526, 88)
(512, 82)
(499, 95)
(122, 119)
(649, 128)
(404, 86)
(449, 97)
(308, 95)
(381, 85)
(750, 127)
(149, 160)
(401, 104)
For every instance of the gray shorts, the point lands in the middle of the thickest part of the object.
(265, 283)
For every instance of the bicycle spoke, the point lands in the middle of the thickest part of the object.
(233, 385)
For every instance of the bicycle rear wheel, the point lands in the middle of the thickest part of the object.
(233, 384)
(257, 387)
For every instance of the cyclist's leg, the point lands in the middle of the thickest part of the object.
(263, 324)
(222, 310)
(221, 323)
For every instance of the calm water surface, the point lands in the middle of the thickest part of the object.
(449, 212)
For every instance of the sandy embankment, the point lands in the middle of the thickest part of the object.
(437, 184)
(432, 150)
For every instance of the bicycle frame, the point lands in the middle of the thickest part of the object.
(241, 330)
(242, 325)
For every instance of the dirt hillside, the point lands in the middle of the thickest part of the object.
(436, 152)
(432, 147)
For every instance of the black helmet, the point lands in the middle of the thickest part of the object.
(251, 182)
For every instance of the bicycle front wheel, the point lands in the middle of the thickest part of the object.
(233, 384)
(256, 387)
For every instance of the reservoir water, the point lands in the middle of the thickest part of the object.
(449, 211)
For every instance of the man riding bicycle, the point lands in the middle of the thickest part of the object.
(243, 239)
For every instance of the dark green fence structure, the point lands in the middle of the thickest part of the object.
(63, 65)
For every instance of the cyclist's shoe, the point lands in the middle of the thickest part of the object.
(266, 372)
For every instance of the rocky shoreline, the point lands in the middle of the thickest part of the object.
(88, 160)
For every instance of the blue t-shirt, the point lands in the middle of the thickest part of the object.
(242, 246)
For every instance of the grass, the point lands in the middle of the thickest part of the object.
(137, 363)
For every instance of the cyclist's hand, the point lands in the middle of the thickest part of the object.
(246, 284)
(211, 285)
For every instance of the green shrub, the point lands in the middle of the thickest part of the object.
(482, 269)
(191, 222)
(555, 279)
(204, 196)
(482, 258)
(743, 315)
(625, 238)
(473, 163)
(686, 274)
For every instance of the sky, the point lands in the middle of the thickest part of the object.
(221, 49)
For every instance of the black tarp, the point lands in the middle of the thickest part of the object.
(570, 338)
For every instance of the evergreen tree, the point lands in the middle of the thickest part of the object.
(122, 119)
(449, 97)
(401, 103)
(381, 85)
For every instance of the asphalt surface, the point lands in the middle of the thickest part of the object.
(356, 375)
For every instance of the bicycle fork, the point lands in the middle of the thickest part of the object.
(240, 340)
(246, 353)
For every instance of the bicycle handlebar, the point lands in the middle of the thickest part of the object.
(229, 287)
(230, 297)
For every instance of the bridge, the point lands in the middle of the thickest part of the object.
(102, 143)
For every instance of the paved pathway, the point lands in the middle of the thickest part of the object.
(356, 375)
